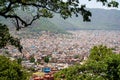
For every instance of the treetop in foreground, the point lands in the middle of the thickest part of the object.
(11, 70)
(102, 64)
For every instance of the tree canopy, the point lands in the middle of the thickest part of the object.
(102, 64)
(11, 70)
(6, 38)
(45, 8)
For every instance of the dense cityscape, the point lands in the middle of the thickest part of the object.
(63, 50)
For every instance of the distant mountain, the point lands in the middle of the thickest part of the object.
(101, 19)
(43, 24)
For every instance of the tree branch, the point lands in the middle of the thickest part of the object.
(8, 8)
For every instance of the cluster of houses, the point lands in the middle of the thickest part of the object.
(63, 50)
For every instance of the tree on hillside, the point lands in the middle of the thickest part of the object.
(32, 59)
(11, 70)
(46, 59)
(43, 8)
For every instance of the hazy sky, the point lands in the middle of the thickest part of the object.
(94, 4)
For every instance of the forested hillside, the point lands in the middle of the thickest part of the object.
(101, 19)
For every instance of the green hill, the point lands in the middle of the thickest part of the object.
(45, 25)
(101, 19)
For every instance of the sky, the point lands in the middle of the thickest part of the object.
(94, 4)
